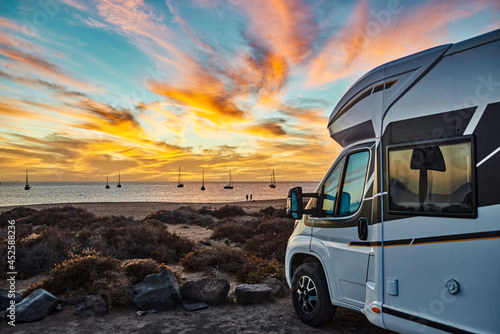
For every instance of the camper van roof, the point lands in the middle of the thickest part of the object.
(419, 63)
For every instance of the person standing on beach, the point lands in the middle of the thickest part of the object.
(247, 197)
(250, 197)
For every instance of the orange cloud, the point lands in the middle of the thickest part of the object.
(368, 40)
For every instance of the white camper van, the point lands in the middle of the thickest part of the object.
(405, 226)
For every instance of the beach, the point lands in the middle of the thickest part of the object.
(230, 317)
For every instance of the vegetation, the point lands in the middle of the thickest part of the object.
(48, 237)
(84, 254)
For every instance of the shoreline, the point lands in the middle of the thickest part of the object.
(140, 210)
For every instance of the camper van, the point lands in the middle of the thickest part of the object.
(405, 226)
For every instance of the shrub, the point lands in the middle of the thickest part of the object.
(16, 214)
(142, 241)
(255, 269)
(271, 239)
(236, 232)
(138, 269)
(183, 216)
(84, 275)
(64, 217)
(38, 253)
(218, 256)
(268, 211)
(227, 211)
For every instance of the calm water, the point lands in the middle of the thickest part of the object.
(13, 193)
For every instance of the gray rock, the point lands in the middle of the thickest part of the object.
(92, 306)
(5, 299)
(195, 306)
(207, 290)
(276, 285)
(35, 307)
(157, 291)
(253, 294)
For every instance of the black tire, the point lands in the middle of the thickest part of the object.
(310, 296)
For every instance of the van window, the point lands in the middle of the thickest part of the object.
(354, 182)
(433, 178)
(352, 171)
(331, 187)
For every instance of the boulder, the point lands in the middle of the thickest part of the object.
(206, 290)
(253, 294)
(92, 306)
(157, 291)
(5, 299)
(36, 306)
(276, 285)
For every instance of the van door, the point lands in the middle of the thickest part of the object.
(345, 218)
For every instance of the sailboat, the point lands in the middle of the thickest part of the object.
(230, 184)
(273, 181)
(107, 184)
(203, 181)
(119, 184)
(27, 186)
(179, 184)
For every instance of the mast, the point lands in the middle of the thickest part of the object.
(203, 180)
(107, 180)
(27, 186)
(230, 185)
(179, 184)
(119, 184)
(273, 181)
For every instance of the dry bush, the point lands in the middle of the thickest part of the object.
(68, 217)
(88, 275)
(218, 256)
(38, 253)
(271, 239)
(227, 211)
(234, 231)
(17, 214)
(181, 216)
(255, 269)
(143, 241)
(267, 211)
(138, 269)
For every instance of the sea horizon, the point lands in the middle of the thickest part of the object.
(62, 192)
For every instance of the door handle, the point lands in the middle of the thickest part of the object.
(363, 228)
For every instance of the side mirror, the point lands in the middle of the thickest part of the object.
(294, 206)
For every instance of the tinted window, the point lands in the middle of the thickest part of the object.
(434, 178)
(331, 187)
(354, 182)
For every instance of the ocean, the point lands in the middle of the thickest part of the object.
(13, 193)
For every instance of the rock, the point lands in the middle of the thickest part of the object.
(276, 285)
(92, 306)
(35, 307)
(253, 294)
(195, 306)
(157, 291)
(5, 299)
(206, 290)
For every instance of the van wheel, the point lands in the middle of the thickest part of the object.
(310, 296)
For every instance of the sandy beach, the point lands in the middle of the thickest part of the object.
(274, 317)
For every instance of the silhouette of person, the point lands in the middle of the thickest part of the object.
(250, 197)
(247, 198)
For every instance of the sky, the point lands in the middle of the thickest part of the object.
(142, 87)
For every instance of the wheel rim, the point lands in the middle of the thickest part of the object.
(307, 295)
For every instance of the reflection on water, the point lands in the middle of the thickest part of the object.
(13, 193)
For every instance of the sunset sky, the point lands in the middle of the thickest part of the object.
(143, 87)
